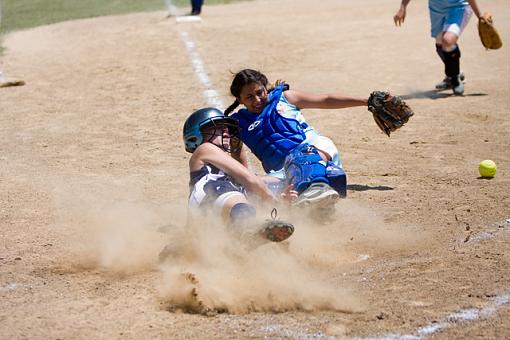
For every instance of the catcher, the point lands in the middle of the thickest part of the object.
(274, 129)
(448, 19)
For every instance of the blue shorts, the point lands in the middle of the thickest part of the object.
(448, 18)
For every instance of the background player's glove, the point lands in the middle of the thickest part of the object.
(390, 112)
(488, 34)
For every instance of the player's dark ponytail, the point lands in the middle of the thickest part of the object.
(231, 108)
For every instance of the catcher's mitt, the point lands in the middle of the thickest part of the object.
(279, 82)
(488, 34)
(390, 112)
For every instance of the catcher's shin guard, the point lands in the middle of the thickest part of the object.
(304, 166)
(337, 178)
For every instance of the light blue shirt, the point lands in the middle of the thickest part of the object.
(439, 5)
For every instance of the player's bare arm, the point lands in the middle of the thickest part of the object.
(400, 16)
(304, 100)
(209, 153)
(475, 8)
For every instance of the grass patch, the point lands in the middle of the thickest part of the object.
(23, 14)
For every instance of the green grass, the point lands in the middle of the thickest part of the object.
(23, 14)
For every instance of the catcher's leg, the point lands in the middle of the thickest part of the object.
(313, 178)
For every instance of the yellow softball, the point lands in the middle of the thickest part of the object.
(487, 168)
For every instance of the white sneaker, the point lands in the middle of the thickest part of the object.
(446, 83)
(457, 86)
(317, 194)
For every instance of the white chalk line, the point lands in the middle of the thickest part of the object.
(490, 232)
(464, 315)
(487, 234)
(452, 319)
(210, 94)
(10, 287)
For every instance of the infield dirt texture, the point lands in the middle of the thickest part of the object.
(92, 163)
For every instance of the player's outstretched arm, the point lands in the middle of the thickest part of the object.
(303, 100)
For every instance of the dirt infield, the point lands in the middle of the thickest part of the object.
(92, 163)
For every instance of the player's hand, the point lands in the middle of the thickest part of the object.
(289, 195)
(400, 17)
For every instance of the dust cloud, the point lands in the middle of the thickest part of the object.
(112, 225)
(206, 268)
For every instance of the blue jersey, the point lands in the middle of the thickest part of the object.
(271, 135)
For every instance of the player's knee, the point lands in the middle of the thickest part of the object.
(305, 166)
(242, 212)
(449, 42)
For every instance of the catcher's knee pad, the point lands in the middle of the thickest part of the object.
(304, 166)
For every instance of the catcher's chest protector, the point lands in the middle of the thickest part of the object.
(269, 135)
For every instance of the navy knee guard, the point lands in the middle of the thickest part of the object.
(304, 166)
(242, 213)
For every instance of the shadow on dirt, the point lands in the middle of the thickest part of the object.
(437, 95)
(364, 187)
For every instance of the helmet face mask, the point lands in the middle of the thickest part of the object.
(205, 119)
(227, 131)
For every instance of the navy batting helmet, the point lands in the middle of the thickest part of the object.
(209, 116)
